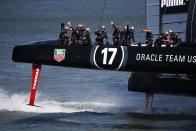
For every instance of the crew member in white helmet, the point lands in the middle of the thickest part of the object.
(101, 36)
(174, 38)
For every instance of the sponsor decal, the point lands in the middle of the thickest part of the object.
(59, 54)
(167, 58)
(171, 3)
(173, 6)
(36, 75)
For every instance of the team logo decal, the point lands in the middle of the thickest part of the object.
(173, 6)
(108, 57)
(59, 54)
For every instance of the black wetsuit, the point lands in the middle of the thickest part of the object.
(176, 40)
(116, 36)
(123, 38)
(130, 35)
(63, 37)
(101, 35)
(149, 40)
(79, 31)
(85, 37)
(160, 40)
(74, 36)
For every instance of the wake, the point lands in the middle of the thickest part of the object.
(18, 102)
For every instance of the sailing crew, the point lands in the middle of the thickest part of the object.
(101, 36)
(167, 41)
(88, 35)
(116, 34)
(124, 37)
(79, 29)
(149, 37)
(131, 33)
(176, 40)
(127, 35)
(63, 36)
(162, 39)
(169, 37)
(85, 36)
(80, 35)
(74, 35)
(158, 41)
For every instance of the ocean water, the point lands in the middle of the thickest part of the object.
(77, 99)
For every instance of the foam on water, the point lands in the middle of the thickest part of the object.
(18, 102)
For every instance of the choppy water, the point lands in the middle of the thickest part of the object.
(77, 99)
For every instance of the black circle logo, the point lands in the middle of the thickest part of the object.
(108, 57)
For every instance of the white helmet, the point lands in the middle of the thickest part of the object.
(125, 27)
(69, 23)
(87, 29)
(111, 22)
(103, 27)
(170, 31)
(66, 27)
(132, 27)
(79, 25)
